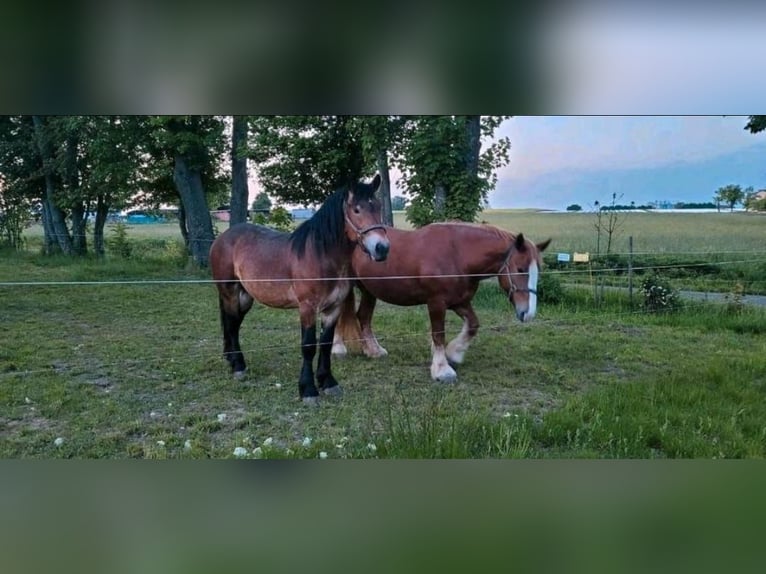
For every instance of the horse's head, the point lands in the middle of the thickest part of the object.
(519, 273)
(364, 224)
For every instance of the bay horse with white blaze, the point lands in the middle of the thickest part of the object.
(440, 265)
(307, 269)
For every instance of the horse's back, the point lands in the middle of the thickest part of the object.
(245, 243)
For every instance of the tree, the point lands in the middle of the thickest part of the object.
(756, 124)
(753, 203)
(239, 189)
(398, 203)
(574, 207)
(303, 159)
(609, 221)
(730, 194)
(194, 145)
(262, 202)
(444, 171)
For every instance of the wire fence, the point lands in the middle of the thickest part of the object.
(211, 349)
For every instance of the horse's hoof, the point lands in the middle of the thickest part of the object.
(239, 375)
(311, 401)
(339, 351)
(446, 378)
(335, 392)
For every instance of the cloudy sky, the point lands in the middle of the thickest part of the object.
(561, 159)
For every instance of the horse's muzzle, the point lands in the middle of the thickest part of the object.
(381, 251)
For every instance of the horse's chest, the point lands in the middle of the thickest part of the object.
(335, 296)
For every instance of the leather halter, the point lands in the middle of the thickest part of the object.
(360, 232)
(507, 267)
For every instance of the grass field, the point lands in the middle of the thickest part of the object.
(134, 370)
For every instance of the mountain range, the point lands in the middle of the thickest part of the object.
(684, 181)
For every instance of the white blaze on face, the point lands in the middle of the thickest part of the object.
(532, 285)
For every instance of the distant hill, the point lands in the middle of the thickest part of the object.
(682, 181)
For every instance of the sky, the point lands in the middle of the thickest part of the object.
(693, 153)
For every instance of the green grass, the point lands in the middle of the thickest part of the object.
(134, 370)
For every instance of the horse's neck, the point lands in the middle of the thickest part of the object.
(494, 248)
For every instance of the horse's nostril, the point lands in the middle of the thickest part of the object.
(381, 251)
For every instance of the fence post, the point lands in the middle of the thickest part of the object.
(630, 270)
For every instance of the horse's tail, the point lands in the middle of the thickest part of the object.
(347, 329)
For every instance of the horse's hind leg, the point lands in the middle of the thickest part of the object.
(459, 345)
(366, 308)
(234, 303)
(440, 368)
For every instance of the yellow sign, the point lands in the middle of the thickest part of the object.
(581, 257)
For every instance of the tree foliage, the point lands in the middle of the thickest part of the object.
(262, 202)
(731, 195)
(303, 159)
(756, 124)
(444, 173)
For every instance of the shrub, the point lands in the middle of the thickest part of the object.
(118, 243)
(658, 295)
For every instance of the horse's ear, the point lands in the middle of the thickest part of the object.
(375, 183)
(543, 245)
(520, 244)
(350, 196)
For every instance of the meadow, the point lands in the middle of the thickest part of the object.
(131, 366)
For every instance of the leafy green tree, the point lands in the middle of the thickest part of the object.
(303, 159)
(574, 207)
(730, 194)
(192, 148)
(262, 202)
(444, 171)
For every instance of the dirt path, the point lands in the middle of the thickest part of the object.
(759, 300)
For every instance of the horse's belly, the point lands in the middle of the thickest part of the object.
(401, 292)
(273, 294)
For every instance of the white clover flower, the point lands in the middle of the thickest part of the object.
(153, 414)
(160, 443)
(506, 415)
(268, 441)
(27, 400)
(240, 452)
(323, 455)
(59, 441)
(258, 452)
(187, 445)
(371, 446)
(306, 441)
(278, 385)
(221, 417)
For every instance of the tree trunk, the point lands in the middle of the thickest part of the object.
(50, 243)
(102, 210)
(473, 145)
(78, 214)
(79, 217)
(182, 224)
(239, 189)
(56, 216)
(440, 202)
(200, 227)
(385, 187)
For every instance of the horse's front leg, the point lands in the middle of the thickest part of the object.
(306, 388)
(459, 345)
(440, 368)
(366, 308)
(327, 383)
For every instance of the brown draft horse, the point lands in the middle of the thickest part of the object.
(440, 265)
(309, 268)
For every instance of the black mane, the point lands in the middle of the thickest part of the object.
(326, 228)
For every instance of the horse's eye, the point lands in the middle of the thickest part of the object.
(357, 210)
